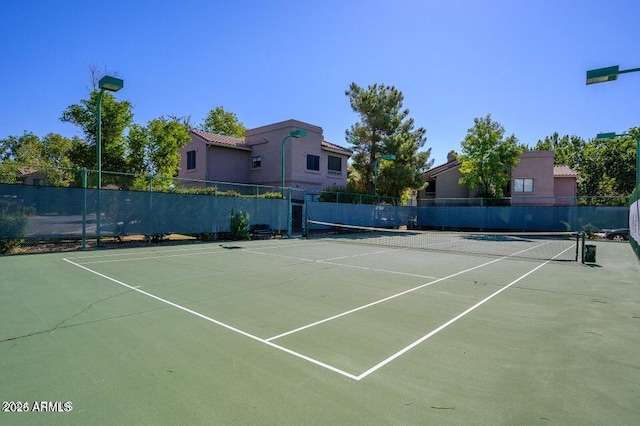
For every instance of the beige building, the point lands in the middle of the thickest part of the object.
(311, 163)
(535, 180)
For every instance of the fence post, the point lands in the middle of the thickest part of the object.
(150, 214)
(289, 207)
(84, 208)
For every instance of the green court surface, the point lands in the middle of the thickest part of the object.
(315, 332)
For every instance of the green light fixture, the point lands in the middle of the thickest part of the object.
(603, 75)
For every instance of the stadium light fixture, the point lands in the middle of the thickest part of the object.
(612, 135)
(603, 75)
(375, 172)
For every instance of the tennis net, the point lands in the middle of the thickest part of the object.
(539, 245)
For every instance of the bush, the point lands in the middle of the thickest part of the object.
(239, 225)
(12, 225)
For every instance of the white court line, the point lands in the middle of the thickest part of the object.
(368, 305)
(304, 327)
(221, 324)
(185, 252)
(448, 323)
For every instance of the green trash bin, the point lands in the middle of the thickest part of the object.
(589, 253)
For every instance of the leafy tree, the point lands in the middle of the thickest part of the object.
(608, 167)
(568, 150)
(385, 128)
(51, 153)
(154, 149)
(116, 117)
(222, 122)
(487, 157)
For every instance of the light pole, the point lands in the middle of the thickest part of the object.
(298, 133)
(614, 135)
(111, 84)
(602, 75)
(375, 173)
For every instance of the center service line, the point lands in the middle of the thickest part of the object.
(229, 327)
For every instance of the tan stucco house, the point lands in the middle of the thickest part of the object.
(311, 163)
(535, 180)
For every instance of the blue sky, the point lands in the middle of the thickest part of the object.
(523, 62)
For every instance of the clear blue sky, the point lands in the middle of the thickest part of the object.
(523, 62)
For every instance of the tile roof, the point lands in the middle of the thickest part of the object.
(221, 140)
(441, 168)
(564, 171)
(335, 147)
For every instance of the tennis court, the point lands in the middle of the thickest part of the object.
(319, 331)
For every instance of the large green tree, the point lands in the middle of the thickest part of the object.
(606, 167)
(155, 149)
(386, 129)
(568, 150)
(116, 116)
(50, 153)
(487, 157)
(221, 122)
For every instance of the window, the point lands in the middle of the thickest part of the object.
(334, 165)
(523, 185)
(256, 162)
(191, 160)
(313, 162)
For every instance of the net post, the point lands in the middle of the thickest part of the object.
(582, 246)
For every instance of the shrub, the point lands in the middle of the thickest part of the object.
(12, 225)
(239, 225)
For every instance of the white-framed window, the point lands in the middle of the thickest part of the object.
(523, 185)
(256, 162)
(334, 166)
(191, 160)
(313, 162)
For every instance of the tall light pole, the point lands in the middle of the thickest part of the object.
(298, 133)
(111, 84)
(614, 135)
(375, 173)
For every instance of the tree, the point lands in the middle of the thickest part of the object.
(385, 128)
(51, 153)
(487, 158)
(608, 167)
(568, 150)
(116, 117)
(221, 122)
(154, 149)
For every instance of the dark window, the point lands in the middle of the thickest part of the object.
(191, 160)
(313, 162)
(256, 162)
(523, 185)
(334, 165)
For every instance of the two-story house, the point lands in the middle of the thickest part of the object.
(311, 163)
(535, 180)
